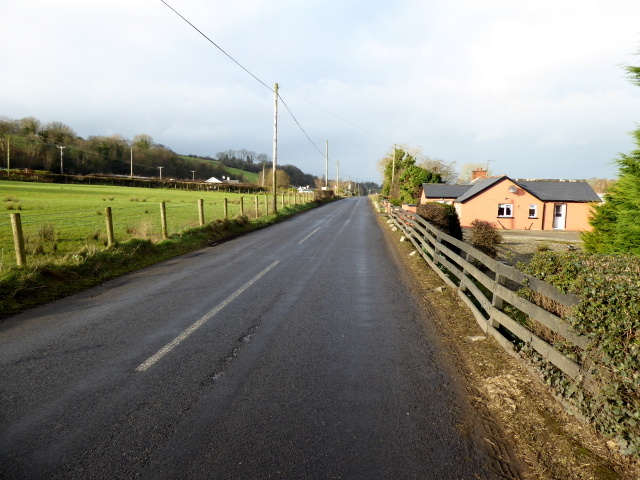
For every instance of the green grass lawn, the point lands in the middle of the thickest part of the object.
(61, 219)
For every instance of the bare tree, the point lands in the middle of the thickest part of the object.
(447, 170)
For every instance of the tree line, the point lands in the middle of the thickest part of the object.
(29, 144)
(260, 163)
(55, 147)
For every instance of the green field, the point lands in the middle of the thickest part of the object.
(61, 219)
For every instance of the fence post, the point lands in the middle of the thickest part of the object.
(163, 219)
(242, 206)
(496, 301)
(283, 194)
(111, 239)
(225, 208)
(257, 207)
(18, 240)
(469, 258)
(201, 211)
(266, 205)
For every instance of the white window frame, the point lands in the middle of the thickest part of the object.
(533, 207)
(507, 208)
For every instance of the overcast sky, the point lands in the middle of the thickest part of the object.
(532, 88)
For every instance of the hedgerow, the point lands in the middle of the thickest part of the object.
(609, 314)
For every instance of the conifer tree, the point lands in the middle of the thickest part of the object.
(616, 222)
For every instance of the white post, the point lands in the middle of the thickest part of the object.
(61, 165)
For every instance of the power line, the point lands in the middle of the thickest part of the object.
(216, 45)
(267, 86)
(298, 123)
(339, 118)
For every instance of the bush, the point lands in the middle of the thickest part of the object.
(609, 314)
(485, 237)
(442, 216)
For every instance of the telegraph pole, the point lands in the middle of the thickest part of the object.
(275, 147)
(326, 164)
(393, 167)
(61, 165)
(131, 174)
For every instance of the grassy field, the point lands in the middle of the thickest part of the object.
(61, 219)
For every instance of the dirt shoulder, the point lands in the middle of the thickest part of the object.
(551, 443)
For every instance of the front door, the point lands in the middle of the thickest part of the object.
(559, 216)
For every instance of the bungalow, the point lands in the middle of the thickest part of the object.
(519, 204)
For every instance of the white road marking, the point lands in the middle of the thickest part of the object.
(305, 238)
(185, 334)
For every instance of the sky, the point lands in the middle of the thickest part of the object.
(529, 88)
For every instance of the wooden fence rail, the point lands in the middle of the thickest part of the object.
(109, 215)
(487, 286)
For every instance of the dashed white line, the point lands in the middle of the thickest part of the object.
(195, 326)
(305, 238)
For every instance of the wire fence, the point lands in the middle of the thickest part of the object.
(49, 236)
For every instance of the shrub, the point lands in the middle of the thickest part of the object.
(609, 314)
(442, 216)
(485, 237)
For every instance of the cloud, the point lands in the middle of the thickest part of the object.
(536, 86)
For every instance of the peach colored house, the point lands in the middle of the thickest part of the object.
(519, 204)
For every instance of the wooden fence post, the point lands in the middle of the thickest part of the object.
(469, 258)
(283, 194)
(496, 301)
(111, 239)
(266, 205)
(201, 211)
(225, 208)
(163, 220)
(18, 240)
(242, 206)
(257, 208)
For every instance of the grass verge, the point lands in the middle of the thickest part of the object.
(23, 288)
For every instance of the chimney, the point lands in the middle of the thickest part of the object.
(478, 173)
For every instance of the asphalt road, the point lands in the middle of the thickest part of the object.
(296, 351)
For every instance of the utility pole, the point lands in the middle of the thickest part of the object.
(275, 147)
(8, 155)
(393, 168)
(131, 174)
(61, 165)
(326, 164)
(160, 168)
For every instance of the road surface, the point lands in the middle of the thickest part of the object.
(296, 351)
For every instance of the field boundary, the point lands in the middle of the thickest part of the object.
(490, 290)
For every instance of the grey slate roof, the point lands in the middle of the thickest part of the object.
(479, 186)
(444, 190)
(545, 190)
(559, 190)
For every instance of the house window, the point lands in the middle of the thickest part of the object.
(533, 211)
(505, 210)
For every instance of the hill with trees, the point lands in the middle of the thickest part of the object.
(28, 144)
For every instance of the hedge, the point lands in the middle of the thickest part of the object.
(609, 314)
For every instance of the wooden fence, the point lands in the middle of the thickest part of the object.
(487, 287)
(254, 207)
